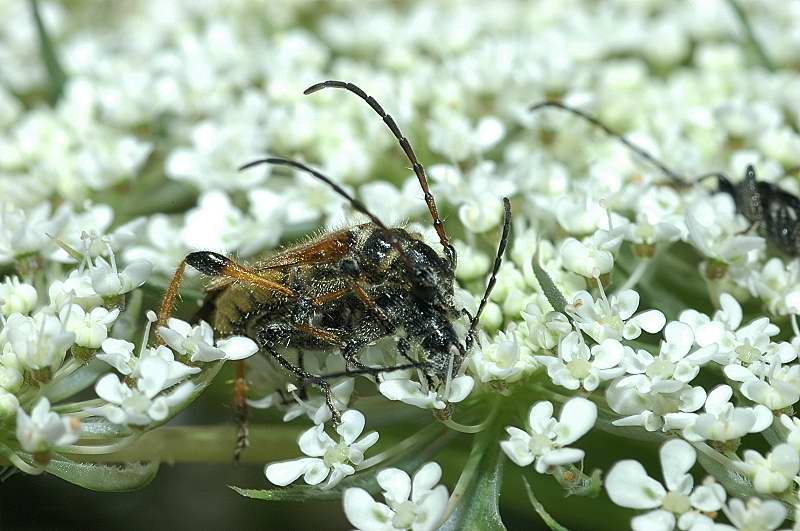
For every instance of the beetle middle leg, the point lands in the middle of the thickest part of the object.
(269, 337)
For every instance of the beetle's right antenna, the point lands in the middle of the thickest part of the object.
(672, 174)
(357, 205)
(498, 259)
(419, 170)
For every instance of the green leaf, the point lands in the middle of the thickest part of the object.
(408, 461)
(474, 502)
(76, 382)
(102, 477)
(540, 510)
(722, 469)
(295, 493)
(554, 296)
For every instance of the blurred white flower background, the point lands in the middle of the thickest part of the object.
(640, 328)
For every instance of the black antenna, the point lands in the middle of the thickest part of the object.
(355, 203)
(419, 170)
(672, 174)
(498, 260)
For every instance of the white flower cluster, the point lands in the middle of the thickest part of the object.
(634, 303)
(49, 344)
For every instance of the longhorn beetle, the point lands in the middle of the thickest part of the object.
(774, 212)
(343, 290)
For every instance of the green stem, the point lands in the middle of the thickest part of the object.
(55, 72)
(752, 41)
(203, 444)
(540, 510)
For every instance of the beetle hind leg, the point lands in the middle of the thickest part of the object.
(240, 405)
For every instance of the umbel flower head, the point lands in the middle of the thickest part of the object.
(640, 295)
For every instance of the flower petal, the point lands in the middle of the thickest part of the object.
(237, 347)
(628, 485)
(315, 442)
(654, 521)
(677, 458)
(364, 512)
(352, 425)
(425, 479)
(562, 456)
(285, 472)
(577, 418)
(539, 416)
(396, 485)
(431, 511)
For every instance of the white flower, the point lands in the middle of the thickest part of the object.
(314, 407)
(793, 425)
(197, 342)
(45, 429)
(545, 327)
(716, 230)
(774, 473)
(393, 205)
(39, 341)
(143, 405)
(778, 391)
(778, 284)
(162, 246)
(107, 280)
(398, 385)
(160, 362)
(765, 515)
(665, 405)
(218, 225)
(452, 134)
(8, 404)
(613, 317)
(645, 233)
(496, 359)
(579, 366)
(11, 378)
(628, 485)
(585, 258)
(722, 421)
(547, 439)
(418, 505)
(119, 354)
(674, 361)
(23, 233)
(76, 288)
(733, 344)
(91, 328)
(16, 297)
(327, 458)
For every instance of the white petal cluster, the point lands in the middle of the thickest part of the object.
(545, 443)
(44, 429)
(327, 459)
(681, 502)
(417, 503)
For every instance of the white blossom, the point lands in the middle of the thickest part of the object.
(326, 459)
(45, 429)
(90, 328)
(418, 504)
(722, 421)
(16, 296)
(680, 503)
(546, 442)
(773, 473)
(198, 342)
(613, 317)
